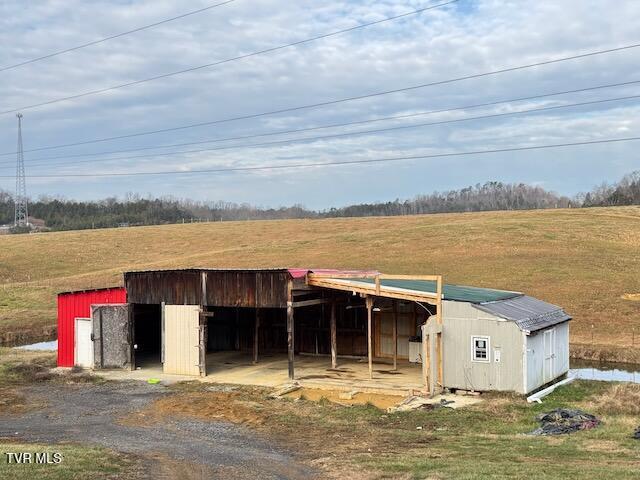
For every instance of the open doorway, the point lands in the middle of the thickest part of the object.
(147, 335)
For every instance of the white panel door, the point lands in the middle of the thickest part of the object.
(549, 354)
(181, 339)
(83, 351)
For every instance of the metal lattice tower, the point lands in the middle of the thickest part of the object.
(21, 214)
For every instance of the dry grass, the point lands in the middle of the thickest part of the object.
(619, 399)
(583, 259)
(483, 441)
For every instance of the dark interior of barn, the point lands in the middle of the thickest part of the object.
(147, 334)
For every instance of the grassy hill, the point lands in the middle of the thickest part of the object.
(586, 260)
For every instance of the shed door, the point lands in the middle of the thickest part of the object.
(112, 336)
(83, 351)
(182, 341)
(549, 354)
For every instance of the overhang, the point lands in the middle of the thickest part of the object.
(530, 314)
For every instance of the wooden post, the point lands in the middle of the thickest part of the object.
(256, 336)
(395, 335)
(334, 336)
(290, 330)
(369, 304)
(439, 334)
(426, 363)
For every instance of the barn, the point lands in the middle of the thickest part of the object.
(74, 320)
(346, 329)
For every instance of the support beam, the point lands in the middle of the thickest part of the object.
(308, 303)
(369, 303)
(256, 336)
(334, 336)
(426, 360)
(290, 330)
(395, 335)
(439, 345)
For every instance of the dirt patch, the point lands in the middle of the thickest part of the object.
(178, 446)
(380, 401)
(161, 465)
(210, 406)
(12, 402)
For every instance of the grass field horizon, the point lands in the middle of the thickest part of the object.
(585, 260)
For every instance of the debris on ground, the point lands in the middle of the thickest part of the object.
(415, 402)
(291, 387)
(562, 421)
(636, 434)
(347, 395)
(222, 388)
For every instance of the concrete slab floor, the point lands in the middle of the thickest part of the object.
(310, 371)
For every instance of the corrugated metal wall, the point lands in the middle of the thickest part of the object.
(74, 305)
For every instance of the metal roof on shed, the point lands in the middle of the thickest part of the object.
(458, 293)
(530, 314)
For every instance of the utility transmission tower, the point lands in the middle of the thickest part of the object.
(21, 214)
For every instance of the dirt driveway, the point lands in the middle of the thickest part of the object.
(177, 447)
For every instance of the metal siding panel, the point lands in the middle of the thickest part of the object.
(529, 313)
(78, 304)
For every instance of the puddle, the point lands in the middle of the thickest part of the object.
(43, 346)
(604, 371)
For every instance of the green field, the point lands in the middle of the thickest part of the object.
(586, 260)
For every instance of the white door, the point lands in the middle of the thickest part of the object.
(549, 354)
(83, 351)
(181, 339)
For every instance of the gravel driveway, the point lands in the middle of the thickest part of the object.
(88, 413)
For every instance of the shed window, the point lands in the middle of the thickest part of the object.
(480, 348)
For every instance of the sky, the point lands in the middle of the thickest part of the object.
(464, 38)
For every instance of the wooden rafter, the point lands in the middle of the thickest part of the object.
(350, 284)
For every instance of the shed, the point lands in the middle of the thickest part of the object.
(74, 307)
(420, 333)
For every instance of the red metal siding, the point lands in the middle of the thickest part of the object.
(74, 305)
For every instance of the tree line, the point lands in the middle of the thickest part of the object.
(63, 214)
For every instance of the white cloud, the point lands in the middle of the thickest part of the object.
(472, 37)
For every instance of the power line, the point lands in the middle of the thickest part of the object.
(342, 135)
(336, 163)
(327, 103)
(359, 122)
(111, 37)
(228, 60)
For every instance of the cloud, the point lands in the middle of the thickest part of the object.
(470, 37)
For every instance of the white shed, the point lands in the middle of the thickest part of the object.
(516, 344)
